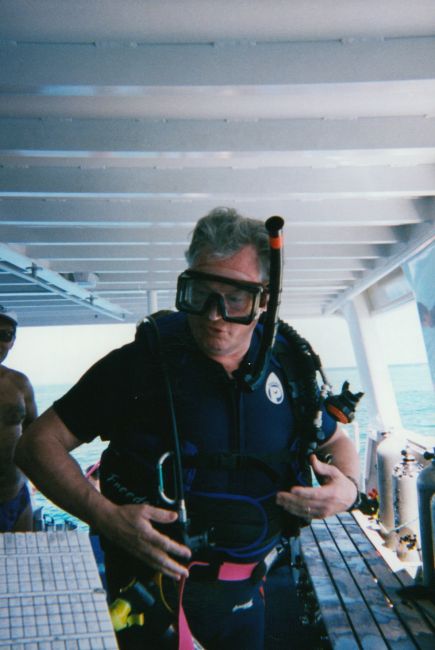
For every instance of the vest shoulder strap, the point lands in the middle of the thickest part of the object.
(300, 364)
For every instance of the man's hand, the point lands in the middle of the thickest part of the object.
(43, 452)
(130, 526)
(336, 493)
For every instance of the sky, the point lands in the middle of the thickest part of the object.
(60, 355)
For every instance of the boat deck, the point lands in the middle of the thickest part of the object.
(51, 597)
(359, 595)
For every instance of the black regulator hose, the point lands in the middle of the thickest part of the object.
(194, 542)
(274, 226)
(176, 449)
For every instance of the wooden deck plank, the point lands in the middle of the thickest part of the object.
(338, 625)
(390, 626)
(425, 605)
(417, 617)
(364, 625)
(361, 591)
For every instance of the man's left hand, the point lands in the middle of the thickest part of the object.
(336, 493)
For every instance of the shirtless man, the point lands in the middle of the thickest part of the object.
(17, 411)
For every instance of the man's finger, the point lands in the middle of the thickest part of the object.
(322, 469)
(163, 562)
(167, 544)
(160, 515)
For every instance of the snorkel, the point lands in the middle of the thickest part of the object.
(253, 379)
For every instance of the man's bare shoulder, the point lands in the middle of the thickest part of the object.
(18, 378)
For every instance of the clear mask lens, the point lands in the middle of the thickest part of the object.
(237, 302)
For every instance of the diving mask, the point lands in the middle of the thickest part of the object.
(236, 301)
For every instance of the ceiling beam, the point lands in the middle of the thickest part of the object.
(158, 234)
(177, 264)
(51, 282)
(148, 253)
(220, 184)
(422, 236)
(70, 69)
(173, 22)
(234, 159)
(308, 276)
(336, 211)
(188, 141)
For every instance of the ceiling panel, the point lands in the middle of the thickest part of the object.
(123, 123)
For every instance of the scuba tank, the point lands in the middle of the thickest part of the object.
(370, 476)
(405, 505)
(426, 511)
(388, 454)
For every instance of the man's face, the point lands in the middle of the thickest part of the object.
(7, 332)
(218, 338)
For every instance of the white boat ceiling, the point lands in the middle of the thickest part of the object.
(123, 122)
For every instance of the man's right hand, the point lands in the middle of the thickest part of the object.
(130, 526)
(43, 453)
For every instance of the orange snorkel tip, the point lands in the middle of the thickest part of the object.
(274, 226)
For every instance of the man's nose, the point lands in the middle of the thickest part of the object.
(213, 309)
(213, 312)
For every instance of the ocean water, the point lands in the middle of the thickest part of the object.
(414, 393)
(412, 385)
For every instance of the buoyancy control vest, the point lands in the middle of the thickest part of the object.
(230, 483)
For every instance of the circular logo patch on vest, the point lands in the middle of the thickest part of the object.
(274, 390)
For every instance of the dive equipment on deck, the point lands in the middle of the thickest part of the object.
(388, 454)
(426, 492)
(406, 505)
(424, 586)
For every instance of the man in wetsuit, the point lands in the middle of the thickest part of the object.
(17, 411)
(240, 448)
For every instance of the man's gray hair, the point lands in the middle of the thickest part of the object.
(223, 232)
